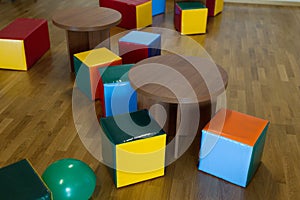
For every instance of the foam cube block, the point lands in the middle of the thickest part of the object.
(214, 7)
(135, 13)
(138, 45)
(86, 65)
(133, 145)
(158, 7)
(23, 42)
(232, 145)
(20, 181)
(190, 17)
(119, 96)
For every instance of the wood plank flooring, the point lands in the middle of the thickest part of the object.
(258, 46)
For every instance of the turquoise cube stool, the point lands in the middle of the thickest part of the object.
(119, 96)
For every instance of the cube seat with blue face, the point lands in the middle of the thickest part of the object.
(232, 145)
(119, 96)
(138, 45)
(133, 146)
(158, 7)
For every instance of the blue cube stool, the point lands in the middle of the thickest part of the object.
(158, 7)
(119, 96)
(138, 45)
(232, 145)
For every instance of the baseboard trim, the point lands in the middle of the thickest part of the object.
(266, 2)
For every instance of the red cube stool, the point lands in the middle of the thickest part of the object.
(23, 42)
(214, 7)
(138, 45)
(135, 13)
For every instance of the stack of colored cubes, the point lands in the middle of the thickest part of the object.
(133, 145)
(232, 145)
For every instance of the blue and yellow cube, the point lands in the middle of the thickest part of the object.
(119, 96)
(232, 145)
(86, 66)
(133, 146)
(190, 17)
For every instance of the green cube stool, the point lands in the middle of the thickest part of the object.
(133, 145)
(20, 181)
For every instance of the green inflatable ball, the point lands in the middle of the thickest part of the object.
(70, 179)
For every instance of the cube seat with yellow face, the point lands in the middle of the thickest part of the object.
(214, 7)
(133, 146)
(190, 17)
(87, 64)
(23, 42)
(135, 13)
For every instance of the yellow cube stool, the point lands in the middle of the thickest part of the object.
(133, 146)
(87, 64)
(190, 17)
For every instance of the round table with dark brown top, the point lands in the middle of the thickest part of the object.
(86, 27)
(186, 87)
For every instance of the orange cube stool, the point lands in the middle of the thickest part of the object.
(232, 145)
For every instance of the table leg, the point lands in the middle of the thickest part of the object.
(83, 41)
(187, 127)
(160, 111)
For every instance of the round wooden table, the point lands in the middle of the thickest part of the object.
(187, 88)
(86, 27)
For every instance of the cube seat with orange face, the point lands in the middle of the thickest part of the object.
(232, 145)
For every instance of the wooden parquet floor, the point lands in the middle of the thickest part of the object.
(259, 46)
